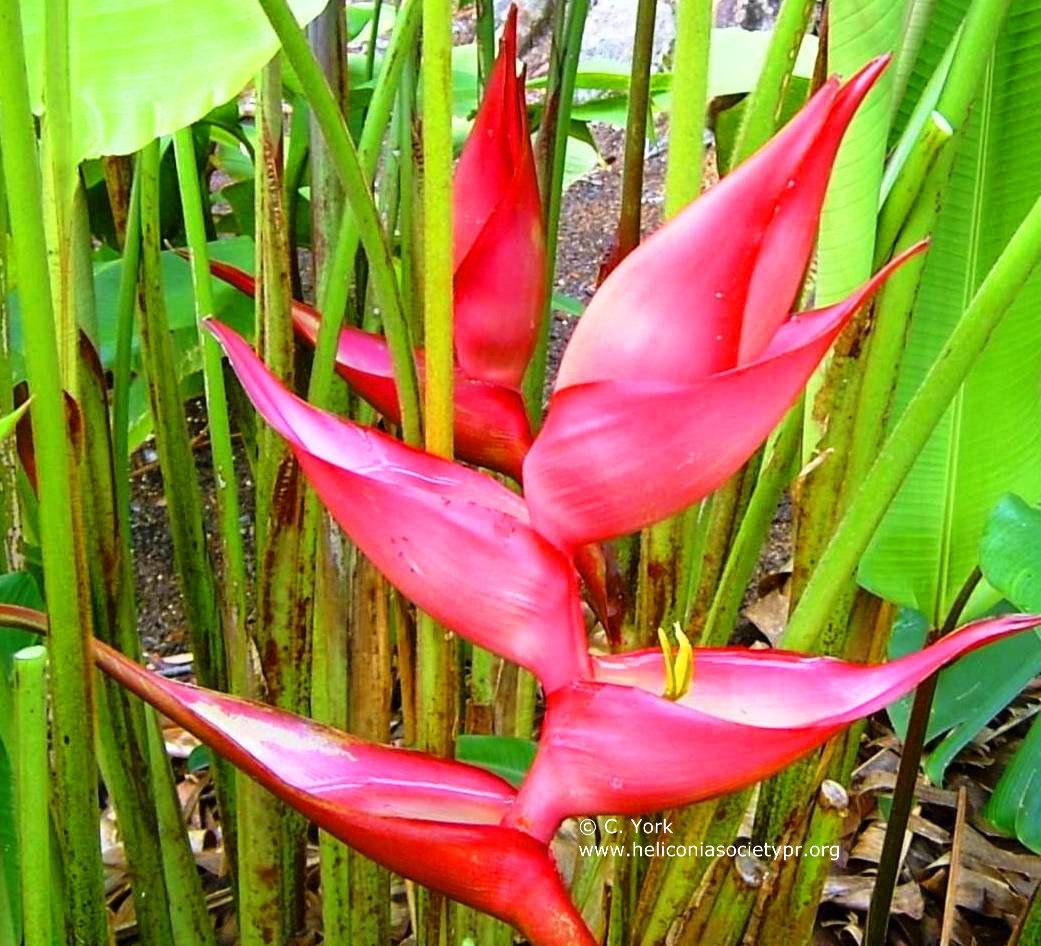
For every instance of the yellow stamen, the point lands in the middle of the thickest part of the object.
(678, 664)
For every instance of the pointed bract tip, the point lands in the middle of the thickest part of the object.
(508, 44)
(863, 80)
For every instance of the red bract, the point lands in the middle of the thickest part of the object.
(615, 744)
(453, 539)
(500, 251)
(433, 820)
(687, 357)
(500, 260)
(491, 424)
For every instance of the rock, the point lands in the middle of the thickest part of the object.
(612, 23)
(748, 14)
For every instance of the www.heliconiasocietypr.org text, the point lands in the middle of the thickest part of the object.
(662, 846)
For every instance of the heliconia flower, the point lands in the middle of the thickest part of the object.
(453, 539)
(499, 242)
(435, 821)
(500, 259)
(686, 358)
(614, 743)
(491, 423)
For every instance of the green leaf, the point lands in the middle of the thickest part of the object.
(1010, 553)
(141, 69)
(507, 757)
(1015, 806)
(568, 304)
(201, 757)
(970, 693)
(989, 442)
(10, 422)
(18, 588)
(580, 159)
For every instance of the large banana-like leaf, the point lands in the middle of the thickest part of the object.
(144, 68)
(989, 442)
(858, 30)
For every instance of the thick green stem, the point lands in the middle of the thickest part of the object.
(485, 39)
(907, 777)
(327, 113)
(126, 302)
(11, 541)
(763, 108)
(335, 279)
(775, 475)
(438, 264)
(65, 577)
(183, 497)
(31, 782)
(628, 236)
(229, 527)
(690, 94)
(563, 86)
(913, 429)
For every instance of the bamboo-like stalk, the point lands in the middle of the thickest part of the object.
(31, 784)
(763, 107)
(233, 587)
(270, 876)
(359, 196)
(436, 697)
(628, 233)
(907, 777)
(919, 419)
(335, 279)
(183, 497)
(11, 556)
(332, 567)
(60, 178)
(65, 577)
(775, 475)
(183, 894)
(485, 40)
(690, 96)
(126, 301)
(552, 180)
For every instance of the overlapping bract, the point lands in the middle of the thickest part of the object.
(436, 821)
(613, 743)
(682, 364)
(500, 262)
(453, 539)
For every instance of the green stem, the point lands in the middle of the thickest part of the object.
(335, 279)
(11, 532)
(636, 131)
(907, 777)
(374, 32)
(553, 184)
(65, 578)
(59, 183)
(438, 264)
(689, 97)
(740, 565)
(229, 527)
(183, 497)
(913, 429)
(485, 40)
(121, 369)
(763, 107)
(436, 698)
(327, 113)
(31, 778)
